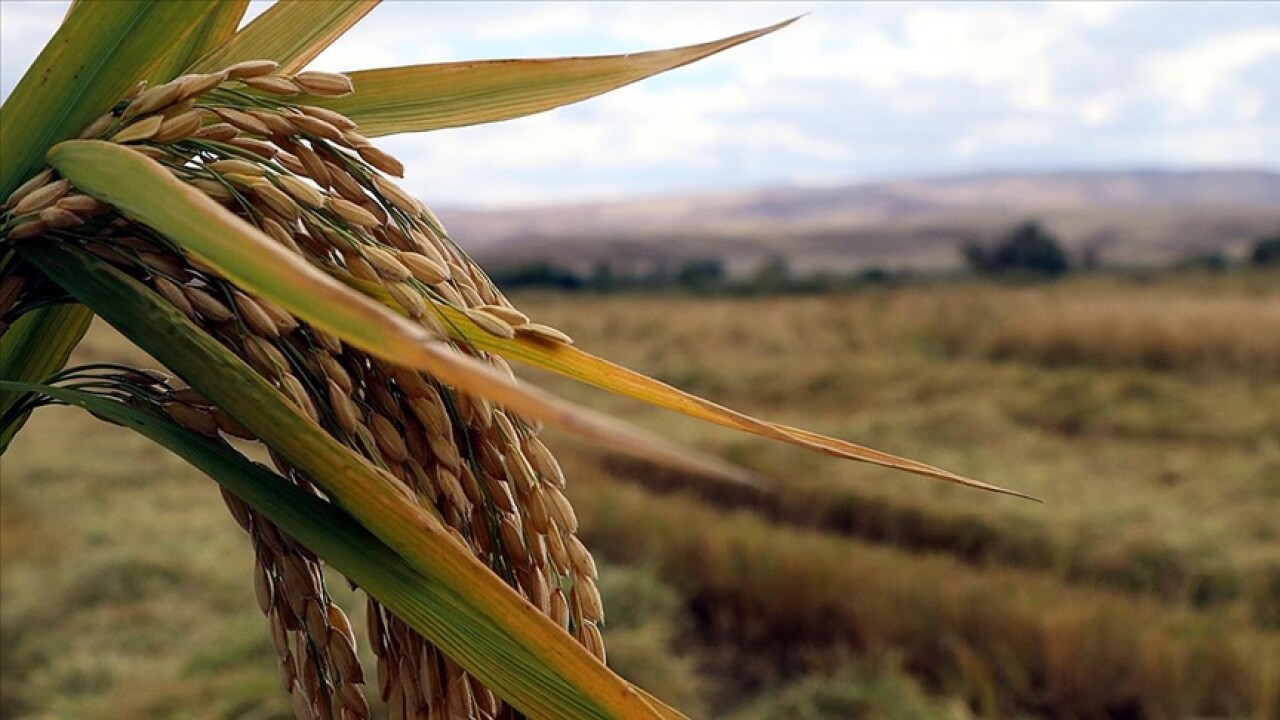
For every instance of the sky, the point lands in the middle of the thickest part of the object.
(852, 92)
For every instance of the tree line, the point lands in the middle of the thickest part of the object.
(1028, 251)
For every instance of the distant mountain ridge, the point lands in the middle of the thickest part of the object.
(1133, 216)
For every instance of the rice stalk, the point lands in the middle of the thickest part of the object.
(306, 178)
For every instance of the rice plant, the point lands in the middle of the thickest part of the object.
(191, 183)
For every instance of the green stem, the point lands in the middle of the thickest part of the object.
(37, 345)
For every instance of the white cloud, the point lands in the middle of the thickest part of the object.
(1193, 79)
(849, 90)
(1100, 109)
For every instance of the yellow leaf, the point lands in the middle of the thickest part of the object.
(555, 676)
(147, 192)
(291, 32)
(428, 97)
(572, 362)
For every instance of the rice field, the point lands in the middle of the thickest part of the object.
(1146, 413)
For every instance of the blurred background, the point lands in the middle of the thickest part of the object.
(1036, 244)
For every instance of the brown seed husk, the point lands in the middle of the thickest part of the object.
(154, 99)
(408, 297)
(207, 305)
(423, 268)
(236, 166)
(220, 132)
(544, 333)
(336, 119)
(381, 160)
(59, 219)
(254, 316)
(385, 264)
(139, 131)
(179, 127)
(314, 126)
(490, 323)
(193, 419)
(261, 148)
(251, 68)
(324, 84)
(402, 200)
(84, 205)
(301, 191)
(96, 128)
(41, 198)
(274, 84)
(274, 121)
(174, 295)
(351, 212)
(44, 177)
(193, 86)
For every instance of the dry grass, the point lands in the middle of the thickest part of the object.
(1146, 587)
(1164, 482)
(789, 602)
(1153, 328)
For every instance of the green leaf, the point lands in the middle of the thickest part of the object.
(571, 682)
(98, 53)
(214, 30)
(37, 346)
(439, 612)
(571, 362)
(147, 192)
(429, 97)
(291, 32)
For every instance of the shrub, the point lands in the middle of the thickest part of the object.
(1028, 249)
(1266, 251)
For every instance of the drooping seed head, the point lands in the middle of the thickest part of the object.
(251, 68)
(274, 84)
(324, 84)
(154, 99)
(42, 197)
(179, 127)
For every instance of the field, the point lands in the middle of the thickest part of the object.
(1145, 412)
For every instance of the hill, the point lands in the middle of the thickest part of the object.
(1123, 217)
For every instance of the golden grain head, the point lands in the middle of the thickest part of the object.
(381, 160)
(274, 84)
(154, 99)
(251, 68)
(510, 315)
(253, 146)
(257, 319)
(42, 197)
(544, 333)
(141, 130)
(96, 128)
(394, 194)
(350, 212)
(490, 323)
(44, 177)
(179, 127)
(314, 126)
(324, 84)
(589, 635)
(193, 86)
(59, 219)
(207, 305)
(84, 205)
(218, 132)
(242, 120)
(278, 201)
(174, 295)
(301, 191)
(193, 419)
